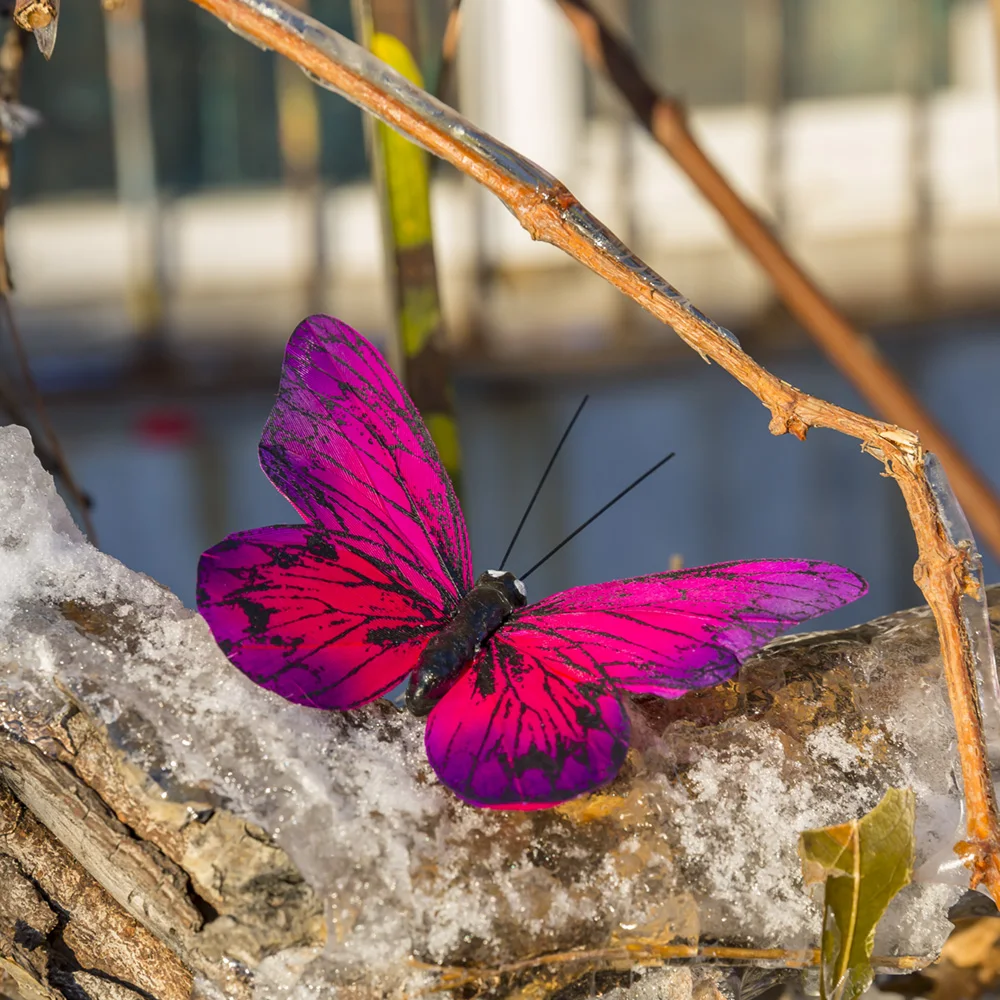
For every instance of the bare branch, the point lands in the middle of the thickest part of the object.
(11, 61)
(449, 51)
(649, 953)
(996, 32)
(851, 350)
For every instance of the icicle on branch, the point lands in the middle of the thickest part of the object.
(946, 566)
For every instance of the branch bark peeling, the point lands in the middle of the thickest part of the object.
(946, 570)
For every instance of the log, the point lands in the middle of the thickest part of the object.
(169, 830)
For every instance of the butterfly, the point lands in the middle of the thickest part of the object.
(525, 704)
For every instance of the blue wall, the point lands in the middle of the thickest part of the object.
(732, 492)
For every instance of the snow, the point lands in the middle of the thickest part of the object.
(701, 837)
(43, 552)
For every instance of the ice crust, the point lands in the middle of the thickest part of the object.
(697, 837)
(43, 553)
(975, 609)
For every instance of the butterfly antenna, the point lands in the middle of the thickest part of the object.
(590, 520)
(541, 482)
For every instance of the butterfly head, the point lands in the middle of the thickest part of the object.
(507, 584)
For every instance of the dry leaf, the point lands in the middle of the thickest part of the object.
(864, 863)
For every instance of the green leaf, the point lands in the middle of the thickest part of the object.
(864, 863)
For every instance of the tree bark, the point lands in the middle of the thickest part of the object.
(112, 889)
(112, 893)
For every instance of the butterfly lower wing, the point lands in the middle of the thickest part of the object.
(347, 447)
(671, 632)
(516, 733)
(311, 619)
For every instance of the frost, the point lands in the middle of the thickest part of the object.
(43, 552)
(757, 866)
(657, 984)
(696, 840)
(829, 743)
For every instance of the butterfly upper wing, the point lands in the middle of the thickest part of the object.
(312, 617)
(336, 612)
(348, 448)
(669, 632)
(528, 725)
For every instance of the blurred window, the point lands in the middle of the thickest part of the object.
(730, 51)
(843, 48)
(213, 106)
(695, 50)
(343, 156)
(72, 150)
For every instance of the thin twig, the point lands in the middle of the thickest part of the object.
(449, 51)
(996, 33)
(11, 62)
(852, 351)
(995, 7)
(647, 952)
(10, 405)
(945, 569)
(11, 65)
(60, 465)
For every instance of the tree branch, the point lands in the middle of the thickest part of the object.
(947, 567)
(449, 52)
(853, 352)
(645, 953)
(11, 63)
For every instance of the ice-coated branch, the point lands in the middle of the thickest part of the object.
(852, 351)
(549, 212)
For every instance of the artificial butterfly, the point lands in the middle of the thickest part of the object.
(525, 705)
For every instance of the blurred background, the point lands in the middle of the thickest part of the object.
(189, 198)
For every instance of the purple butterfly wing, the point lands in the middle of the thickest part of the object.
(670, 632)
(529, 725)
(335, 613)
(310, 617)
(347, 447)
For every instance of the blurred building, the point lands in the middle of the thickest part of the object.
(156, 291)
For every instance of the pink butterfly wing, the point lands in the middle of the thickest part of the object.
(539, 719)
(667, 633)
(312, 618)
(529, 725)
(348, 448)
(335, 613)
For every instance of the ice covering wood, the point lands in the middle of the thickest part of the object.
(272, 847)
